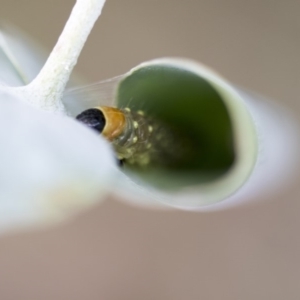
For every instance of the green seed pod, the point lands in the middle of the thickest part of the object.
(203, 142)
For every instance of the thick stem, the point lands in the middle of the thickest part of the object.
(46, 90)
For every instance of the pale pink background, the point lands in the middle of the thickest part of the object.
(117, 251)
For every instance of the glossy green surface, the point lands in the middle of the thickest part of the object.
(191, 106)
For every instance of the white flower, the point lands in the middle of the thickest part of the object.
(51, 166)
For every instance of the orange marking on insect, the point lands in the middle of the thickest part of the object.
(115, 122)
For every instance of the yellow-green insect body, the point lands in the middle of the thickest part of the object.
(138, 140)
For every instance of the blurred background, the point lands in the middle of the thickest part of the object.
(120, 251)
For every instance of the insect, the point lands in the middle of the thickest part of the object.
(138, 139)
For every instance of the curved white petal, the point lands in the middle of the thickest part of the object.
(21, 58)
(51, 166)
(265, 138)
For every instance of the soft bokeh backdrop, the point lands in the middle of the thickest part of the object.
(117, 251)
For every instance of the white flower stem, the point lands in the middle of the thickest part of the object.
(46, 90)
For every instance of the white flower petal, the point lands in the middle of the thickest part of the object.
(263, 138)
(51, 166)
(21, 58)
